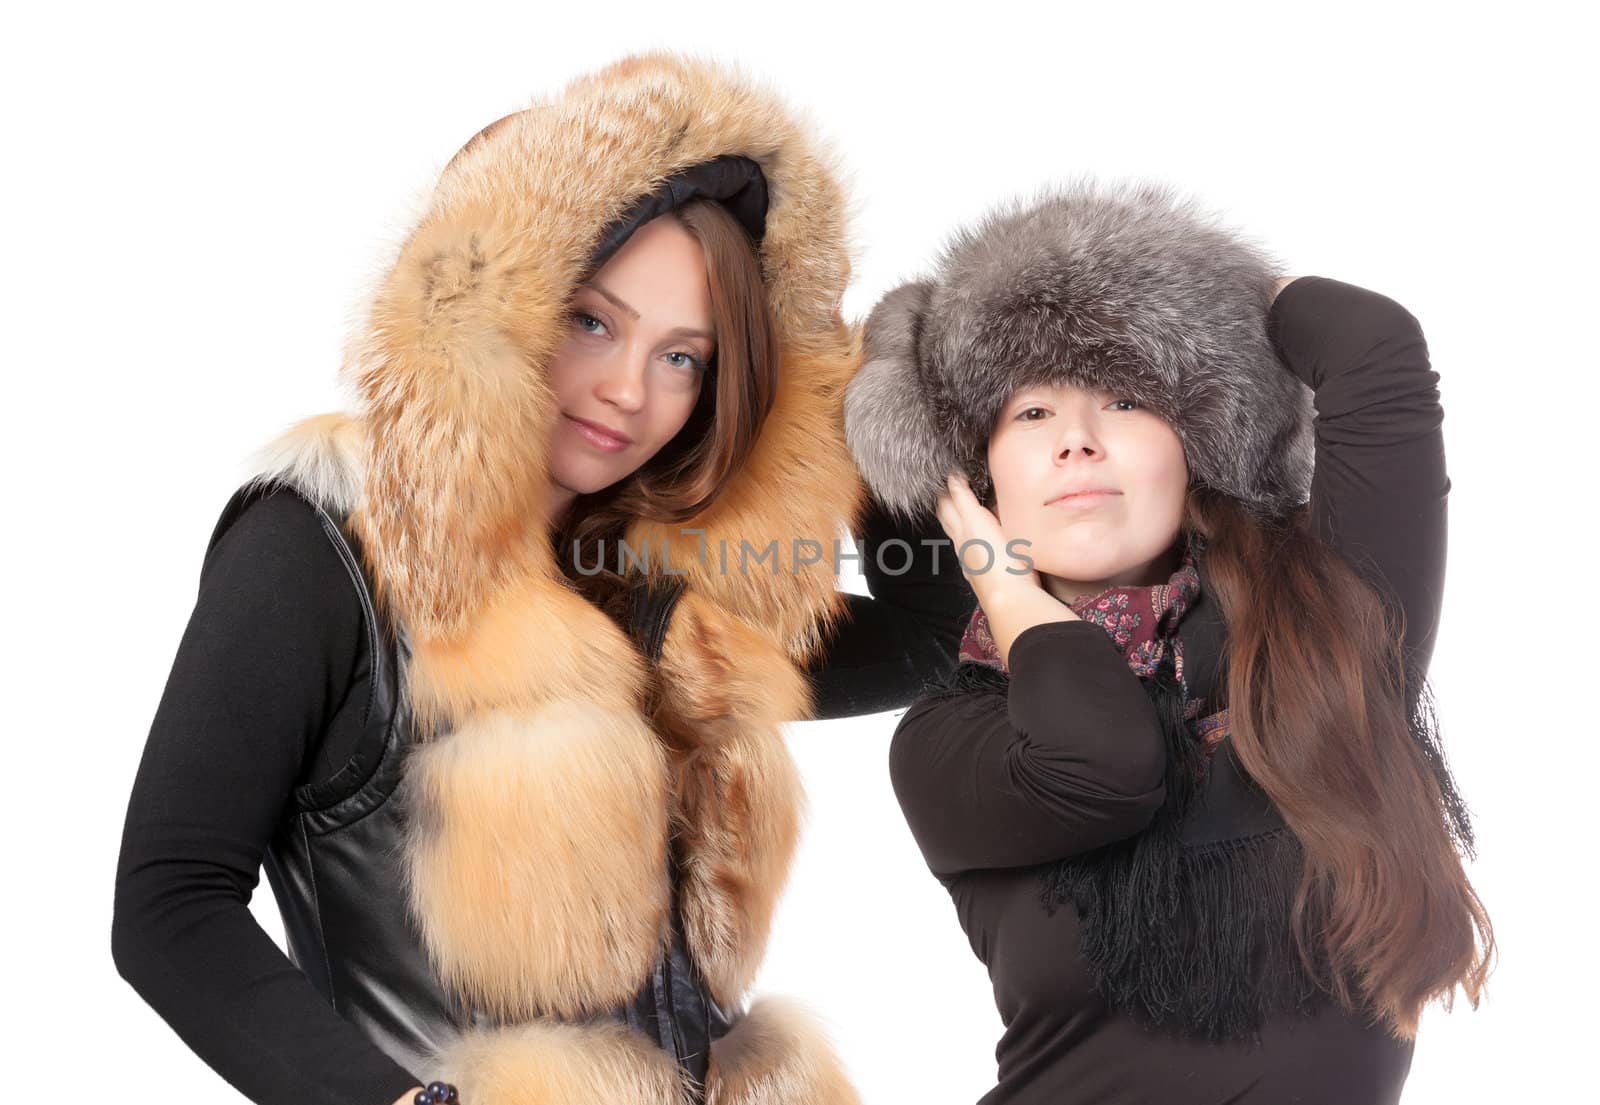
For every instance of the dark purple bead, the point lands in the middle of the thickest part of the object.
(450, 1095)
(423, 1098)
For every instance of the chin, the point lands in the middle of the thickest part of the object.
(1078, 556)
(1090, 563)
(1077, 571)
(586, 482)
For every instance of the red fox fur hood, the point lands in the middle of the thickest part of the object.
(537, 869)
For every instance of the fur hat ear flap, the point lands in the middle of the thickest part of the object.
(889, 417)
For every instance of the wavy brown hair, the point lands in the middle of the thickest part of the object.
(692, 469)
(1327, 718)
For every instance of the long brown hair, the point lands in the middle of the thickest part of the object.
(692, 469)
(1331, 724)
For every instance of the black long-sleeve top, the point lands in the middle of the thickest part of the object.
(1071, 757)
(260, 700)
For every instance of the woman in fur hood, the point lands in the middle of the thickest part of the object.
(1184, 787)
(485, 673)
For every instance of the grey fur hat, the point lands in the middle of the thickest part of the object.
(1123, 287)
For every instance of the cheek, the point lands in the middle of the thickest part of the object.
(565, 370)
(1013, 470)
(670, 408)
(1162, 470)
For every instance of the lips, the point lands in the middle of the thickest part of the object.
(600, 436)
(1083, 497)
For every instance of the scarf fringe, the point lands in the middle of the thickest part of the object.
(1193, 938)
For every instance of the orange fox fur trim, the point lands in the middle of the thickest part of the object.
(777, 1055)
(538, 862)
(557, 1064)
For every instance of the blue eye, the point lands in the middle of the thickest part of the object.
(689, 361)
(587, 323)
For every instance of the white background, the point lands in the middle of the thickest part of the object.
(197, 199)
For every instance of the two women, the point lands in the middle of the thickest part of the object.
(491, 673)
(1183, 788)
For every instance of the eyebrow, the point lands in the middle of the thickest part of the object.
(615, 302)
(685, 331)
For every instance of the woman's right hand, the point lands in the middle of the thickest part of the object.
(1007, 586)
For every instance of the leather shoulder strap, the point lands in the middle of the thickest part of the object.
(653, 604)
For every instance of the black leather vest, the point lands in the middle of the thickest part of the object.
(336, 868)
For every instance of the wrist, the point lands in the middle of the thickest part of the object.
(1013, 613)
(999, 590)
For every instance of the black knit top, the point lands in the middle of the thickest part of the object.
(1070, 757)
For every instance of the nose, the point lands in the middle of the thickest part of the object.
(1076, 434)
(622, 382)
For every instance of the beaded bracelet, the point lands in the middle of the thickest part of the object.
(437, 1093)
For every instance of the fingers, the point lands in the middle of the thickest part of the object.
(959, 495)
(956, 511)
(978, 519)
(976, 532)
(961, 490)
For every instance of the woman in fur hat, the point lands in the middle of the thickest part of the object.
(1184, 788)
(485, 671)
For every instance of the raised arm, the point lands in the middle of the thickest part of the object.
(265, 661)
(906, 635)
(1380, 487)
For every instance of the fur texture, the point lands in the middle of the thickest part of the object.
(1122, 287)
(776, 1055)
(544, 797)
(324, 456)
(586, 805)
(727, 690)
(561, 1064)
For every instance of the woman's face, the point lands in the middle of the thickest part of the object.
(629, 372)
(1095, 482)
